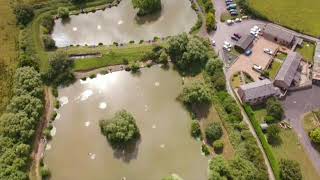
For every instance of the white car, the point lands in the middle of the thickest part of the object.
(213, 42)
(257, 67)
(226, 43)
(229, 21)
(227, 48)
(268, 51)
(238, 20)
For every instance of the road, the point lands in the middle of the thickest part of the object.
(224, 33)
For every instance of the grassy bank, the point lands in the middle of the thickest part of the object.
(8, 51)
(295, 14)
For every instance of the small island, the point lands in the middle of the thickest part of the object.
(147, 7)
(121, 130)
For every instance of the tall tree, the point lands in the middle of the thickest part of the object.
(147, 6)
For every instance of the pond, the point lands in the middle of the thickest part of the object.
(120, 24)
(79, 151)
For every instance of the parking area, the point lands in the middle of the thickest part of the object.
(258, 57)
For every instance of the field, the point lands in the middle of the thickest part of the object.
(301, 15)
(290, 148)
(8, 59)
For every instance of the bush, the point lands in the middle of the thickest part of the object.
(274, 109)
(273, 134)
(45, 172)
(48, 42)
(121, 130)
(134, 66)
(205, 149)
(290, 170)
(195, 129)
(269, 119)
(315, 135)
(63, 12)
(213, 132)
(163, 58)
(146, 6)
(196, 94)
(210, 22)
(218, 145)
(24, 13)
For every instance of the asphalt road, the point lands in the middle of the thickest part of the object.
(296, 105)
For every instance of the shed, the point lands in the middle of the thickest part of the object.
(278, 34)
(244, 43)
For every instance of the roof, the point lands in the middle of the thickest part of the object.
(316, 63)
(245, 41)
(259, 89)
(289, 68)
(279, 33)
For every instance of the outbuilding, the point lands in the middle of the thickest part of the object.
(278, 35)
(244, 43)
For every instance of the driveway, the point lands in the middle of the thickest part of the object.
(296, 105)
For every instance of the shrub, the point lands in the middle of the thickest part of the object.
(146, 6)
(63, 12)
(315, 135)
(48, 42)
(92, 76)
(290, 170)
(218, 145)
(45, 172)
(205, 149)
(213, 132)
(274, 108)
(196, 94)
(273, 134)
(24, 13)
(195, 129)
(210, 22)
(121, 130)
(163, 58)
(269, 119)
(134, 66)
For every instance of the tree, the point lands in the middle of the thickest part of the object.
(24, 13)
(243, 169)
(45, 172)
(213, 66)
(290, 170)
(163, 58)
(195, 129)
(146, 6)
(219, 169)
(63, 12)
(273, 134)
(218, 146)
(48, 42)
(120, 130)
(315, 135)
(210, 22)
(274, 108)
(48, 23)
(196, 94)
(60, 69)
(27, 81)
(213, 132)
(177, 46)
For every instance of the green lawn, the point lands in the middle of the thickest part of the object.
(273, 70)
(290, 148)
(111, 55)
(281, 56)
(8, 53)
(302, 15)
(307, 50)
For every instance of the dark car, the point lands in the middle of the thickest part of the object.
(234, 13)
(237, 35)
(234, 38)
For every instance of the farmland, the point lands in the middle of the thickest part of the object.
(295, 14)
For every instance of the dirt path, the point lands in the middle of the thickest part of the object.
(40, 142)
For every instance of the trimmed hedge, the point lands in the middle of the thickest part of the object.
(273, 162)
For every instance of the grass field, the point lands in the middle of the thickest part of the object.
(8, 51)
(290, 148)
(307, 50)
(275, 67)
(301, 15)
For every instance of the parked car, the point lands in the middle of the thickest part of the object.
(229, 22)
(234, 13)
(213, 43)
(231, 6)
(257, 67)
(268, 51)
(262, 78)
(248, 52)
(229, 2)
(227, 48)
(244, 17)
(237, 35)
(238, 20)
(234, 38)
(227, 44)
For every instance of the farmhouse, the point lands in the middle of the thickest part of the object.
(288, 71)
(279, 35)
(257, 92)
(244, 43)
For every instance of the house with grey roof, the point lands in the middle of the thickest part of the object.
(316, 65)
(288, 71)
(244, 43)
(278, 35)
(257, 92)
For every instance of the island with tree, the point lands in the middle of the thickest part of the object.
(147, 6)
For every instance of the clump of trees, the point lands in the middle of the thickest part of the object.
(213, 132)
(196, 94)
(146, 6)
(121, 130)
(315, 135)
(48, 42)
(275, 111)
(24, 13)
(18, 124)
(63, 12)
(290, 170)
(189, 54)
(60, 70)
(214, 70)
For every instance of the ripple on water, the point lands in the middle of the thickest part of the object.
(48, 147)
(85, 95)
(87, 123)
(103, 105)
(64, 100)
(157, 84)
(120, 22)
(74, 29)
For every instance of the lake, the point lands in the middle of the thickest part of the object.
(79, 151)
(120, 24)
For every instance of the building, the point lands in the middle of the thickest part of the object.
(278, 35)
(288, 71)
(316, 65)
(257, 92)
(244, 43)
